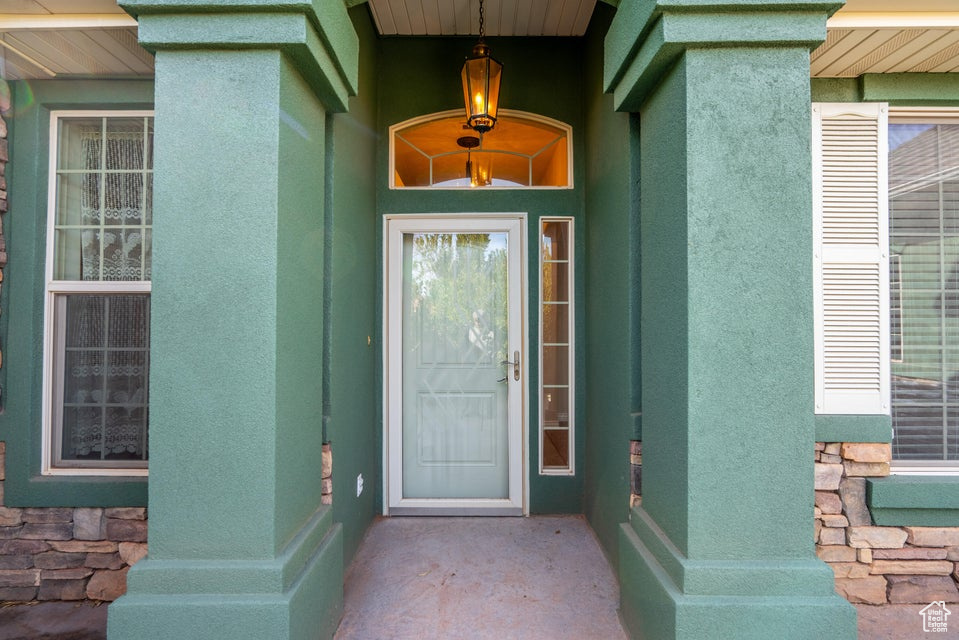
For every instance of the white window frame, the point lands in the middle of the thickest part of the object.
(923, 115)
(571, 360)
(52, 361)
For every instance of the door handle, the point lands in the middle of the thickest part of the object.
(515, 363)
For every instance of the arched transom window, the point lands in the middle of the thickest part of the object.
(438, 151)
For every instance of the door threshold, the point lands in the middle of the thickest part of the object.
(456, 511)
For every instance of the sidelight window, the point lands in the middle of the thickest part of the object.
(556, 339)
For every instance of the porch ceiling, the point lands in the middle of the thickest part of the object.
(54, 38)
(502, 17)
(878, 36)
(77, 38)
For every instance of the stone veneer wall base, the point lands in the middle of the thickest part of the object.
(877, 564)
(78, 553)
(872, 564)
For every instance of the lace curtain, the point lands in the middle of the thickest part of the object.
(107, 336)
(111, 199)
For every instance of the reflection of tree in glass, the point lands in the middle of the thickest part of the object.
(459, 282)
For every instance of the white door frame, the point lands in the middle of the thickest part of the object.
(394, 226)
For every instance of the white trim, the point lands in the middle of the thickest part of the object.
(520, 115)
(394, 226)
(913, 469)
(853, 254)
(55, 287)
(571, 359)
(60, 21)
(923, 115)
(895, 20)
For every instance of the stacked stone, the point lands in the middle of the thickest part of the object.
(635, 473)
(872, 564)
(326, 483)
(67, 553)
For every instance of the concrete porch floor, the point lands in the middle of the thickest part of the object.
(478, 578)
(462, 579)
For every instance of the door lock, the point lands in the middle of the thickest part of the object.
(515, 363)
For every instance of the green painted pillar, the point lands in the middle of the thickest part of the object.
(722, 546)
(240, 546)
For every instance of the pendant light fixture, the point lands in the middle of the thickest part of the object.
(481, 79)
(478, 171)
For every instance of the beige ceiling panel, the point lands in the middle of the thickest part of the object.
(919, 55)
(128, 38)
(80, 6)
(501, 17)
(36, 49)
(507, 18)
(892, 61)
(401, 16)
(941, 61)
(122, 45)
(432, 24)
(96, 55)
(833, 36)
(583, 16)
(893, 6)
(493, 18)
(834, 56)
(383, 17)
(523, 10)
(414, 11)
(61, 47)
(537, 18)
(864, 54)
(877, 58)
(447, 17)
(553, 18)
(462, 10)
(24, 6)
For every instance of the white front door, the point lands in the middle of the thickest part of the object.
(455, 362)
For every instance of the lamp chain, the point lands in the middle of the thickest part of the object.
(482, 30)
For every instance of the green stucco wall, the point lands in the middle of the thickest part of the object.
(21, 324)
(726, 323)
(612, 323)
(906, 89)
(255, 282)
(239, 539)
(352, 337)
(543, 76)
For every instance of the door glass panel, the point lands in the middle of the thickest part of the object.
(455, 414)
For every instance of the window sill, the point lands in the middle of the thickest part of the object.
(914, 500)
(853, 428)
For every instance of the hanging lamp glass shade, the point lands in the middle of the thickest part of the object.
(480, 169)
(481, 78)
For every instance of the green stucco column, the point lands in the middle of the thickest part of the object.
(240, 546)
(722, 546)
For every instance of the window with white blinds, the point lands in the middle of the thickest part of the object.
(924, 234)
(886, 210)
